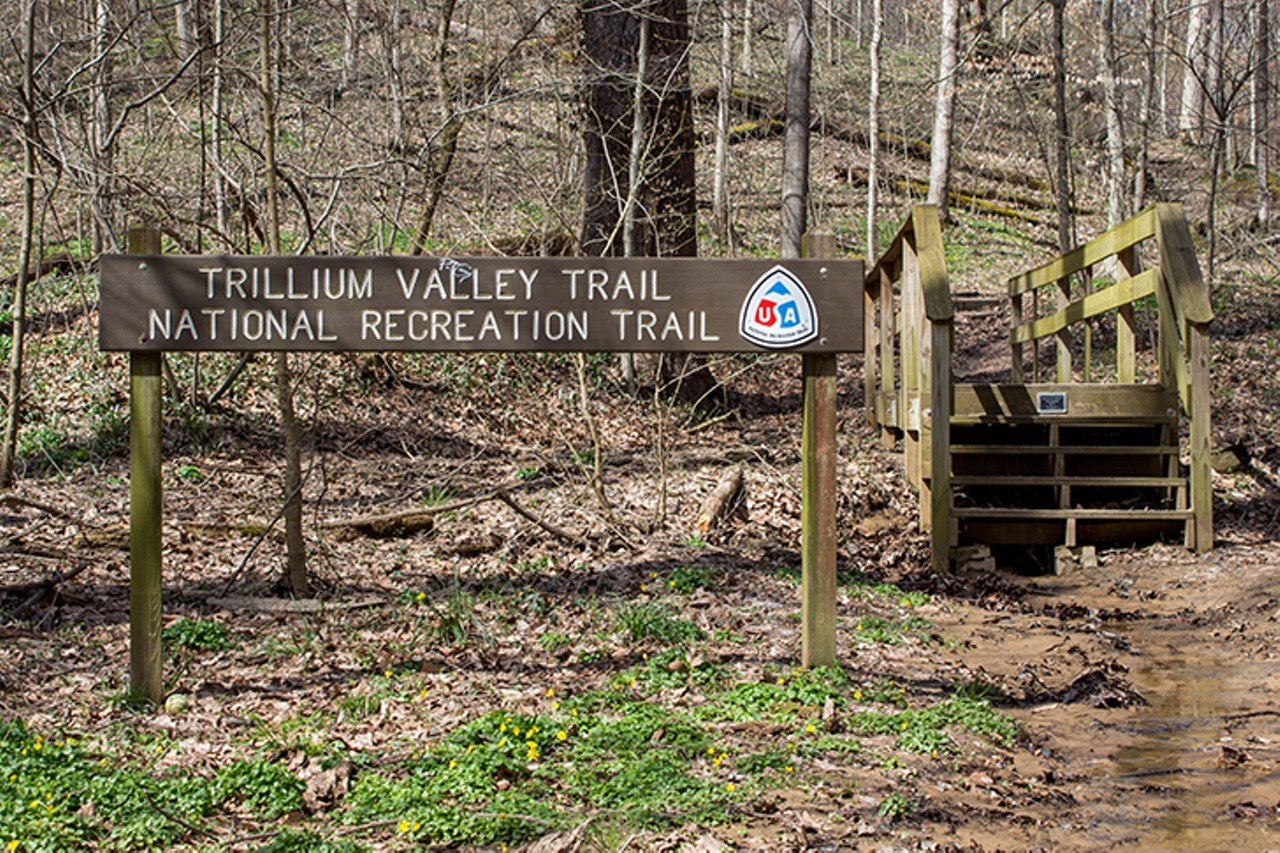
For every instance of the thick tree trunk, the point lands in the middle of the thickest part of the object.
(13, 414)
(1112, 102)
(1062, 142)
(795, 152)
(873, 133)
(944, 107)
(659, 195)
(667, 202)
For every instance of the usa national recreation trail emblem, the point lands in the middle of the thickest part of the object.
(778, 312)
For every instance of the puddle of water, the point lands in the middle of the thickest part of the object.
(1172, 758)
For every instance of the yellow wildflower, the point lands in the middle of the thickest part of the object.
(421, 596)
(790, 769)
(402, 826)
(555, 706)
(811, 728)
(551, 692)
(386, 673)
(730, 787)
(857, 694)
(562, 735)
(11, 846)
(452, 763)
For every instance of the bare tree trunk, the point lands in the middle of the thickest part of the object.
(1146, 109)
(873, 133)
(635, 156)
(295, 544)
(219, 84)
(350, 39)
(1115, 130)
(1062, 146)
(1262, 112)
(944, 108)
(748, 33)
(1221, 108)
(9, 451)
(104, 231)
(795, 153)
(446, 143)
(719, 188)
(395, 82)
(1191, 113)
(184, 26)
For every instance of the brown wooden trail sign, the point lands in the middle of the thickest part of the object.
(324, 304)
(153, 303)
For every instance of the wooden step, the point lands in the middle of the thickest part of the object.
(1084, 404)
(1066, 480)
(1062, 514)
(1065, 449)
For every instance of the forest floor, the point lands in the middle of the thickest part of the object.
(587, 673)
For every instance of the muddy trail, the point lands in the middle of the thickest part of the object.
(1146, 687)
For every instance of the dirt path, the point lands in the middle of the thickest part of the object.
(1148, 689)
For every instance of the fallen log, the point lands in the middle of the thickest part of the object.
(727, 499)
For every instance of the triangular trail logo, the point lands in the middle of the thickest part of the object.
(778, 312)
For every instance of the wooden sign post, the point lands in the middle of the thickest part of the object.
(153, 303)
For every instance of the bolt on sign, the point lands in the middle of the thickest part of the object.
(480, 304)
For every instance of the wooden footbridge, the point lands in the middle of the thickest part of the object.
(1101, 433)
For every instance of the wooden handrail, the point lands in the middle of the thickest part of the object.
(913, 338)
(1128, 233)
(1183, 309)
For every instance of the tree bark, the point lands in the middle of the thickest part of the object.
(350, 40)
(446, 142)
(9, 450)
(1062, 142)
(667, 201)
(1113, 106)
(103, 148)
(1194, 61)
(295, 544)
(719, 185)
(944, 107)
(873, 133)
(1262, 112)
(795, 152)
(1146, 110)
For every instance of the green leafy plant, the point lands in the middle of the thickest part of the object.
(686, 579)
(267, 789)
(896, 806)
(198, 634)
(655, 621)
